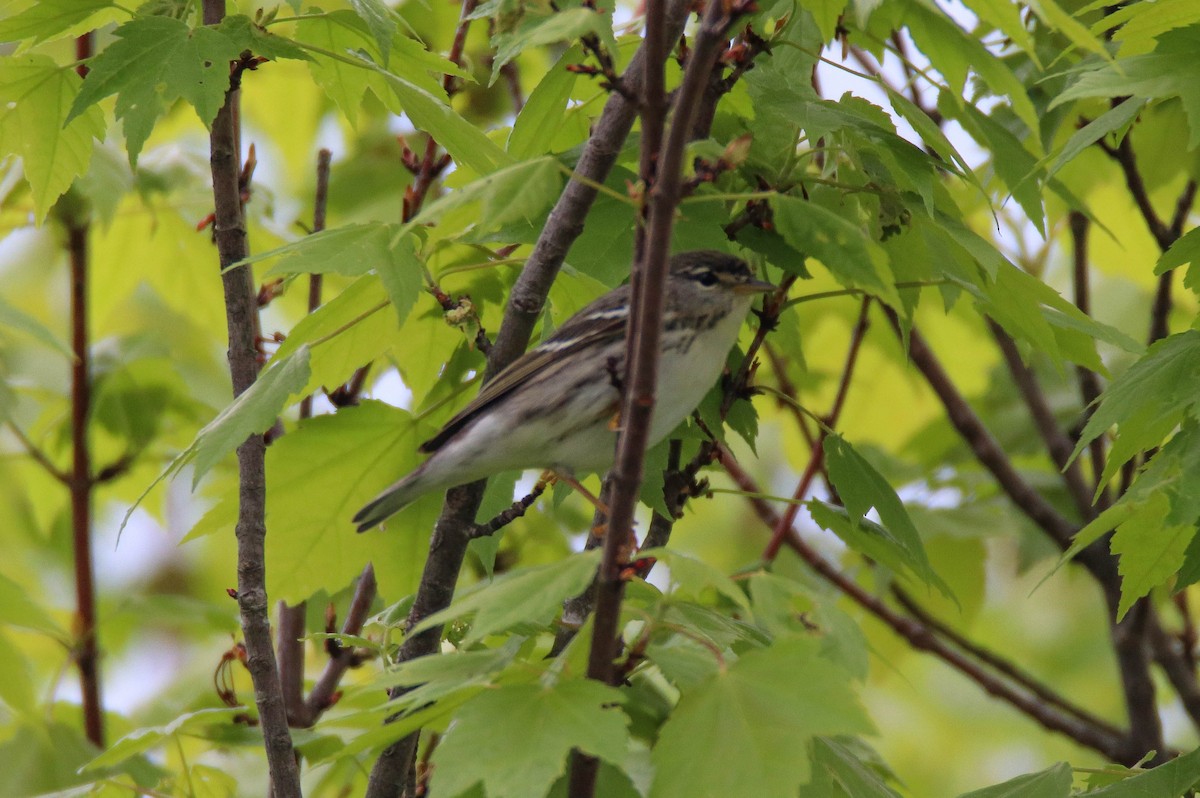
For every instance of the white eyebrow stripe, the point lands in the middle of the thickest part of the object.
(554, 346)
(614, 313)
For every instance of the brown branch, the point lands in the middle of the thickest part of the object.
(1089, 381)
(447, 549)
(1127, 635)
(644, 330)
(1176, 662)
(229, 231)
(511, 513)
(981, 442)
(1126, 158)
(922, 638)
(566, 220)
(289, 642)
(647, 305)
(528, 296)
(290, 630)
(1058, 445)
(1000, 664)
(816, 461)
(322, 695)
(80, 483)
(38, 455)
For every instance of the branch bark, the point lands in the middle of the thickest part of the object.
(229, 228)
(1092, 735)
(448, 546)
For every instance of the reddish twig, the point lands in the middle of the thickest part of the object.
(324, 692)
(922, 638)
(816, 461)
(87, 654)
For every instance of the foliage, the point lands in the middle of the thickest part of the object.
(977, 213)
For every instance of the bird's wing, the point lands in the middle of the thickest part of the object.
(595, 324)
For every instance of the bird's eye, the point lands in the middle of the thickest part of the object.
(707, 279)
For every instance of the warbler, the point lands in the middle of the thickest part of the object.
(556, 406)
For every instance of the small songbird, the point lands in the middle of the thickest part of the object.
(556, 407)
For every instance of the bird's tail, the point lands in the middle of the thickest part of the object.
(394, 499)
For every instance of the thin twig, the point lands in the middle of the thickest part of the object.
(38, 455)
(229, 229)
(1058, 445)
(1089, 381)
(447, 547)
(321, 697)
(921, 638)
(816, 460)
(1000, 664)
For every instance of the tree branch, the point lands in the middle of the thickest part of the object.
(229, 229)
(1058, 445)
(566, 220)
(87, 654)
(1089, 381)
(321, 697)
(452, 533)
(647, 304)
(1127, 636)
(816, 461)
(921, 638)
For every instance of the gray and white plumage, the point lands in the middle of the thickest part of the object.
(510, 426)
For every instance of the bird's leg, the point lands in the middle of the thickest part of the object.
(552, 476)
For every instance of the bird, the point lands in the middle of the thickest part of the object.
(557, 406)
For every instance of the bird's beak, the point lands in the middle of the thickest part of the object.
(753, 287)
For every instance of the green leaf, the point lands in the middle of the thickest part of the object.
(19, 609)
(55, 147)
(252, 413)
(691, 577)
(520, 192)
(1168, 780)
(1049, 12)
(1151, 20)
(401, 274)
(346, 332)
(247, 35)
(569, 25)
(344, 82)
(1147, 401)
(837, 763)
(351, 250)
(17, 319)
(526, 595)
(853, 259)
(1150, 550)
(1170, 71)
(318, 475)
(862, 488)
(465, 142)
(1167, 494)
(153, 62)
(1110, 121)
(551, 721)
(741, 731)
(1186, 249)
(47, 20)
(16, 678)
(956, 54)
(537, 123)
(380, 22)
(1011, 161)
(142, 740)
(1054, 782)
